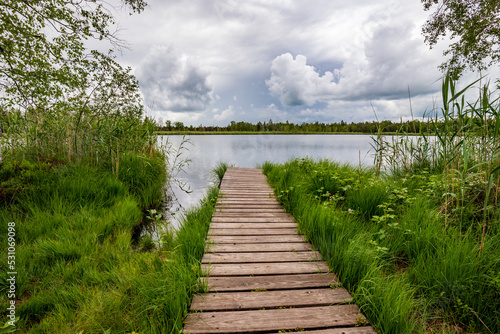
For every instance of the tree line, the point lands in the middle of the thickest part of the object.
(415, 126)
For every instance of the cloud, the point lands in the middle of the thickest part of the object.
(171, 81)
(225, 115)
(391, 60)
(297, 83)
(358, 51)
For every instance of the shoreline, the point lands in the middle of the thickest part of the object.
(268, 133)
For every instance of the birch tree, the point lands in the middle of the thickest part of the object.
(473, 27)
(46, 69)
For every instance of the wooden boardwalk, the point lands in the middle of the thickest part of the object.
(263, 277)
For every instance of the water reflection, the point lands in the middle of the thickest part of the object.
(253, 150)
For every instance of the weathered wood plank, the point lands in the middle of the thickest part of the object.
(239, 175)
(244, 171)
(226, 215)
(257, 197)
(261, 257)
(282, 268)
(256, 187)
(272, 320)
(254, 239)
(269, 247)
(246, 186)
(243, 189)
(350, 330)
(248, 203)
(250, 200)
(245, 179)
(250, 210)
(267, 191)
(240, 195)
(225, 284)
(247, 206)
(253, 220)
(253, 225)
(269, 299)
(248, 197)
(251, 231)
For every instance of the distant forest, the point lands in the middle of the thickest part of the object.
(415, 126)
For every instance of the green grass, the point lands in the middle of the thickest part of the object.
(218, 172)
(387, 238)
(78, 268)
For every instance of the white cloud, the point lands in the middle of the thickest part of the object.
(393, 58)
(171, 81)
(225, 115)
(391, 61)
(297, 83)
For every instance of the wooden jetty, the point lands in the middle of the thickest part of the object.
(262, 275)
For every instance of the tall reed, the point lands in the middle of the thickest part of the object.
(462, 140)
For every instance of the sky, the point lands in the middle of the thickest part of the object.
(210, 62)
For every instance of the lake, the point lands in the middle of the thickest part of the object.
(205, 151)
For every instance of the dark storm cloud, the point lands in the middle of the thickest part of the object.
(170, 81)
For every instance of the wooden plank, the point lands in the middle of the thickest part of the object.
(259, 188)
(226, 284)
(256, 198)
(244, 171)
(252, 220)
(247, 197)
(250, 210)
(269, 247)
(246, 186)
(260, 257)
(351, 330)
(244, 209)
(268, 191)
(247, 206)
(253, 225)
(243, 194)
(238, 177)
(273, 268)
(253, 203)
(254, 239)
(244, 177)
(224, 214)
(248, 201)
(256, 300)
(252, 231)
(273, 320)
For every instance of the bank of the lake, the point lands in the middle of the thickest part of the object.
(215, 133)
(79, 268)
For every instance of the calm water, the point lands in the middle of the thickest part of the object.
(253, 150)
